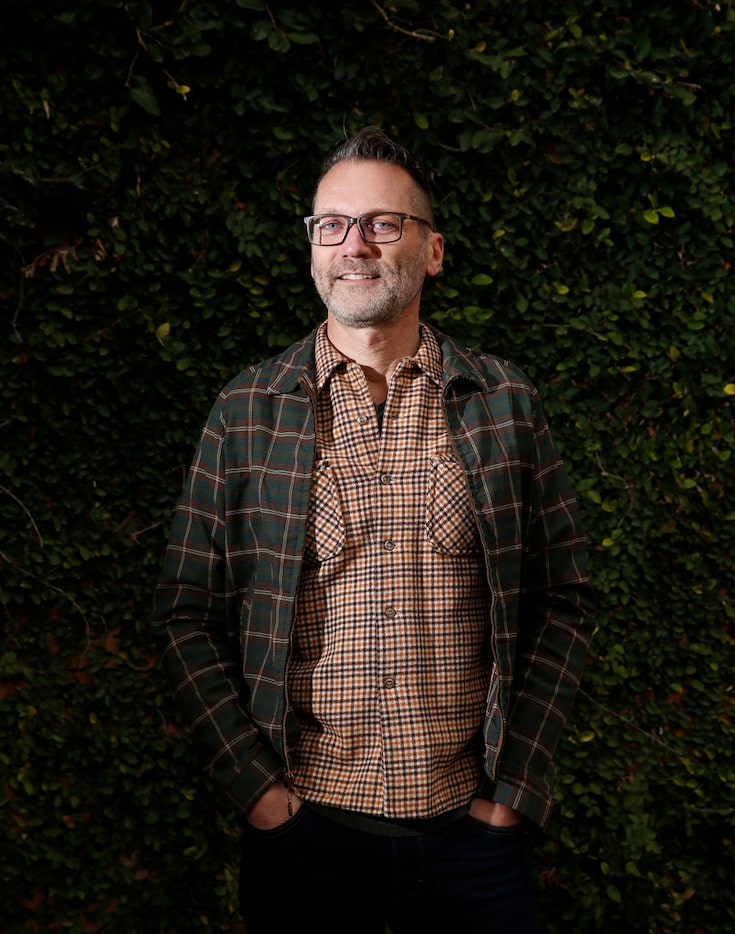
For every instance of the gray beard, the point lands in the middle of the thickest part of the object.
(383, 307)
(380, 310)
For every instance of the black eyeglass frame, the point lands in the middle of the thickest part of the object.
(359, 220)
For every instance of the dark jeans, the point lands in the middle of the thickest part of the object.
(312, 874)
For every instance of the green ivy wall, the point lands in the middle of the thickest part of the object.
(155, 161)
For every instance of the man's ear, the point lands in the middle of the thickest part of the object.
(436, 253)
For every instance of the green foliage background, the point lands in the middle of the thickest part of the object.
(156, 161)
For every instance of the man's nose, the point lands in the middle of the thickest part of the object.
(354, 244)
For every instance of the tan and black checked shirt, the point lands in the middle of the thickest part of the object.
(390, 664)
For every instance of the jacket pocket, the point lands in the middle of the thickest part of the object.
(325, 528)
(451, 526)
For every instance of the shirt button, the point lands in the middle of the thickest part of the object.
(386, 479)
(361, 419)
(389, 545)
(390, 612)
(389, 683)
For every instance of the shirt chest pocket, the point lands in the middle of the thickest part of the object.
(451, 527)
(325, 527)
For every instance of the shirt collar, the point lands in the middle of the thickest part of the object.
(428, 357)
(327, 357)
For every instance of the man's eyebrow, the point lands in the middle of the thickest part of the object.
(371, 211)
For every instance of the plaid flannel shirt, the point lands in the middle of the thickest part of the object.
(224, 606)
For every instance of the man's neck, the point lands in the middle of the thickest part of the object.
(377, 350)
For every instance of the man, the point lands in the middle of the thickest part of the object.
(374, 606)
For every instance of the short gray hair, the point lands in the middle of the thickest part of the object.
(373, 144)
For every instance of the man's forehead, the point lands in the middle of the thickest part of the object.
(353, 180)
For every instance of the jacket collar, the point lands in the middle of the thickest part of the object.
(460, 362)
(294, 367)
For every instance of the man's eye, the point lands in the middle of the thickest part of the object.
(331, 224)
(382, 225)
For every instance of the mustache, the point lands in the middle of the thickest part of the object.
(361, 269)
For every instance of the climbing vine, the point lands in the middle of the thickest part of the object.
(155, 163)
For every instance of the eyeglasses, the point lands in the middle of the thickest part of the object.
(376, 227)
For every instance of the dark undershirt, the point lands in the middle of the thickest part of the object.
(379, 409)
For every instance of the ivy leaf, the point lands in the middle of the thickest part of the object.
(482, 278)
(143, 95)
(303, 38)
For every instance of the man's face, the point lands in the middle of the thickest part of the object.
(371, 284)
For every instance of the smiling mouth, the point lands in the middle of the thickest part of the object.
(356, 277)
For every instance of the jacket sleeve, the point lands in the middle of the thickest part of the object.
(195, 623)
(555, 614)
